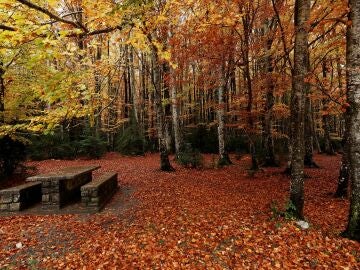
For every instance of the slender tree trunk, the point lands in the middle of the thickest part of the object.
(143, 96)
(135, 96)
(247, 77)
(268, 138)
(353, 98)
(308, 128)
(223, 156)
(343, 180)
(166, 91)
(175, 115)
(160, 116)
(97, 76)
(328, 148)
(2, 93)
(302, 13)
(269, 104)
(309, 138)
(316, 137)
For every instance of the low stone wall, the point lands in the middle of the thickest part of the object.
(20, 197)
(95, 194)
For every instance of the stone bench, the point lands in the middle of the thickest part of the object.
(20, 197)
(95, 194)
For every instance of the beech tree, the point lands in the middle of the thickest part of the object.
(353, 97)
(299, 86)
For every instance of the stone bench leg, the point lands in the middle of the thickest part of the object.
(50, 194)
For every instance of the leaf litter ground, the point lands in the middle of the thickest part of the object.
(189, 219)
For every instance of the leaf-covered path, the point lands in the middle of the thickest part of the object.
(190, 219)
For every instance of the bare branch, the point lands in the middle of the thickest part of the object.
(50, 14)
(8, 28)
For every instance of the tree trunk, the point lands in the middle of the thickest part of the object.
(343, 181)
(316, 137)
(353, 98)
(97, 75)
(135, 96)
(166, 93)
(268, 138)
(269, 104)
(175, 116)
(223, 156)
(160, 116)
(328, 148)
(247, 77)
(302, 12)
(2, 93)
(309, 138)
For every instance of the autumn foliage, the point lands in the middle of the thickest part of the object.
(268, 80)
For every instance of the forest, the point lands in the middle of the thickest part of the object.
(233, 127)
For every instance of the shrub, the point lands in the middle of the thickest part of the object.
(12, 153)
(204, 139)
(131, 141)
(65, 150)
(190, 157)
(236, 143)
(337, 143)
(92, 147)
(51, 146)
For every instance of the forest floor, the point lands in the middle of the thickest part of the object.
(189, 219)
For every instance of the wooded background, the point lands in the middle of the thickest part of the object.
(70, 65)
(267, 77)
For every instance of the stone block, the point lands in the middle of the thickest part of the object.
(16, 198)
(14, 207)
(4, 207)
(45, 190)
(46, 184)
(54, 183)
(92, 204)
(55, 197)
(46, 198)
(95, 200)
(6, 198)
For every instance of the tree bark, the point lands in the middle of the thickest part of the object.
(302, 13)
(160, 116)
(269, 104)
(175, 115)
(97, 77)
(166, 92)
(2, 93)
(309, 138)
(135, 96)
(353, 98)
(343, 180)
(223, 156)
(247, 78)
(316, 137)
(328, 149)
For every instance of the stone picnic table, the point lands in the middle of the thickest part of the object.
(58, 188)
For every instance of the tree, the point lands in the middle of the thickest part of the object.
(353, 94)
(299, 86)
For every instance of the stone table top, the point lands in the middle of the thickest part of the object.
(64, 173)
